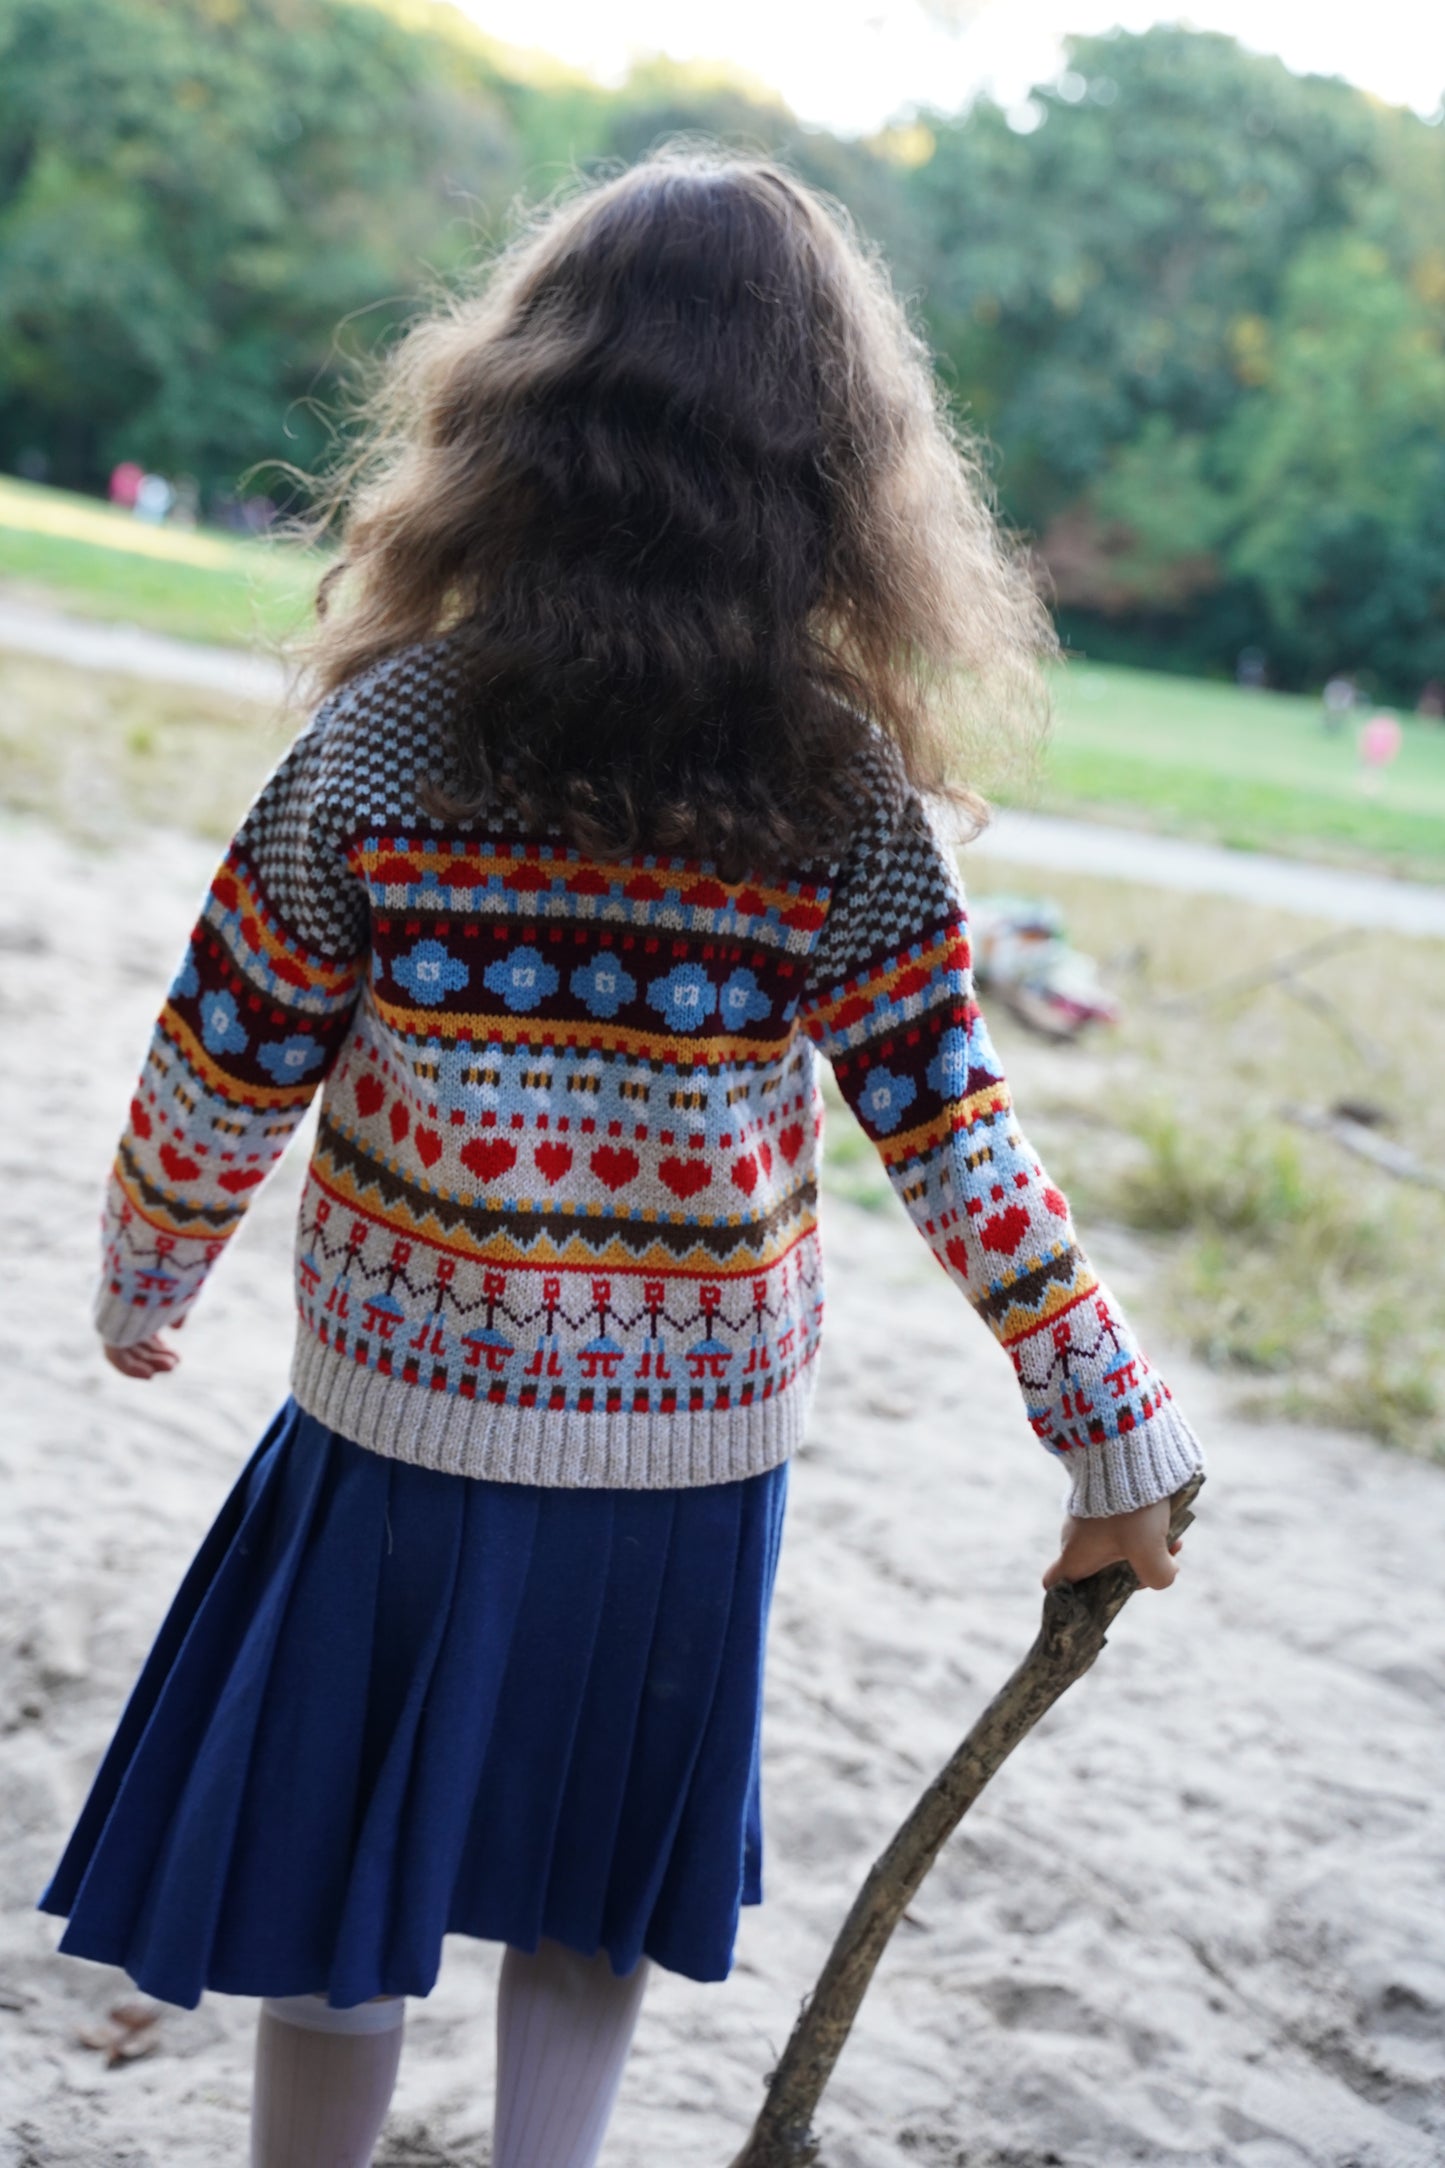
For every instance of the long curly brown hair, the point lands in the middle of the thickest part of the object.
(679, 483)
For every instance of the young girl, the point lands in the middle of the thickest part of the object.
(667, 595)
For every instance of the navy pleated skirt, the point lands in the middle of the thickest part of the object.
(390, 1704)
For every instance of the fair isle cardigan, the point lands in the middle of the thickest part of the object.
(560, 1220)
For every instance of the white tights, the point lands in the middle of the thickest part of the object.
(324, 2077)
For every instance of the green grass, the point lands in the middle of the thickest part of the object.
(82, 556)
(1252, 769)
(1297, 1274)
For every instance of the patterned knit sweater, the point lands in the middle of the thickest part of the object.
(559, 1224)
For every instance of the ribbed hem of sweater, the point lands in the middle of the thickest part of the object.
(559, 1449)
(1148, 1463)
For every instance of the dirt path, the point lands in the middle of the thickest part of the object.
(1031, 839)
(29, 629)
(1196, 1921)
(1207, 869)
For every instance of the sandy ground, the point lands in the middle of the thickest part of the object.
(1199, 1917)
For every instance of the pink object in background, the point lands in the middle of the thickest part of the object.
(125, 481)
(1379, 741)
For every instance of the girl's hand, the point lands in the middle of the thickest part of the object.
(1141, 1538)
(147, 1359)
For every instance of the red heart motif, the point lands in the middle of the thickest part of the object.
(235, 1179)
(177, 1166)
(790, 1141)
(553, 1159)
(957, 1255)
(489, 1156)
(745, 1174)
(614, 1165)
(1006, 1230)
(140, 1121)
(765, 1158)
(428, 1146)
(400, 1119)
(1057, 1203)
(370, 1096)
(685, 1177)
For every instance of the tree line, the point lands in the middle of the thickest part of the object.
(1195, 303)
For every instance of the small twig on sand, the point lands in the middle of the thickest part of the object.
(1282, 973)
(1270, 974)
(1354, 1136)
(1076, 1620)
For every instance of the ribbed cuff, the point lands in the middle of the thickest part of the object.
(121, 1323)
(1150, 1462)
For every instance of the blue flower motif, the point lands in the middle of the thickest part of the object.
(743, 1001)
(521, 979)
(686, 997)
(948, 1071)
(186, 980)
(429, 973)
(885, 1098)
(289, 1060)
(220, 1030)
(603, 984)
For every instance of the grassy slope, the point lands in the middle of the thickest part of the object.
(1250, 769)
(87, 558)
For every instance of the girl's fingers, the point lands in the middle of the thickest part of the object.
(1081, 1555)
(1088, 1547)
(1153, 1562)
(146, 1359)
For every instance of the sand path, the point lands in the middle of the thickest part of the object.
(1196, 1921)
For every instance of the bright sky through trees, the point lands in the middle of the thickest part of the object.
(853, 64)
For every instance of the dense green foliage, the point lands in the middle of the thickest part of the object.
(1199, 309)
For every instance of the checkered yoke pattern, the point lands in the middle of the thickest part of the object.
(559, 1224)
(892, 1006)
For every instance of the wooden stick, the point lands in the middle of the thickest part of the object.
(1076, 1620)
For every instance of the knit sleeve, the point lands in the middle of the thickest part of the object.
(890, 1001)
(253, 1019)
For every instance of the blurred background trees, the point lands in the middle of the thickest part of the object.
(1198, 306)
